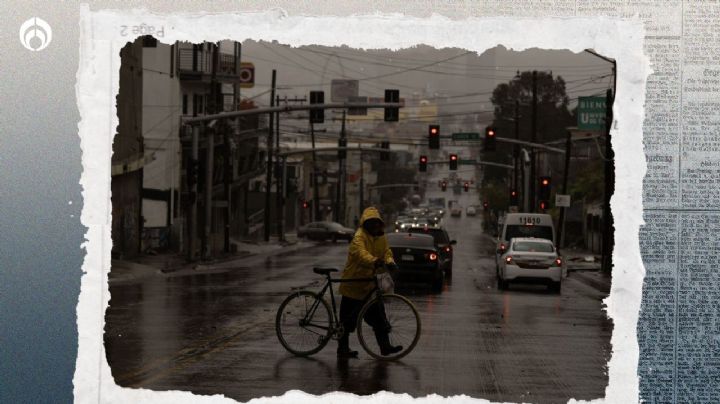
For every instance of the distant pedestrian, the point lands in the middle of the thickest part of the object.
(368, 253)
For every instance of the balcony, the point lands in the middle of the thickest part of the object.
(196, 65)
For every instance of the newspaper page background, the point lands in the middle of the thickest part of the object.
(678, 329)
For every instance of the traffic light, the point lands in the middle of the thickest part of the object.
(434, 136)
(444, 186)
(453, 161)
(543, 205)
(467, 187)
(486, 205)
(490, 139)
(423, 163)
(192, 172)
(513, 198)
(342, 142)
(317, 115)
(305, 205)
(545, 186)
(392, 114)
(385, 156)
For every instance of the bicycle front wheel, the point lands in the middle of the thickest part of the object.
(303, 323)
(401, 323)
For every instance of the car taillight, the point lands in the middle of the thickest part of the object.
(448, 249)
(558, 262)
(432, 257)
(508, 259)
(502, 246)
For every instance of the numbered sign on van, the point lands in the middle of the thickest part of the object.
(529, 220)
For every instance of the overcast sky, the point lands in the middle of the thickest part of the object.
(467, 78)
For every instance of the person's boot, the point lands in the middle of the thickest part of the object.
(383, 340)
(343, 350)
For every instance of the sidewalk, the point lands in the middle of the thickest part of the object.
(173, 264)
(596, 279)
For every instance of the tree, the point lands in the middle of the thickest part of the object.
(553, 116)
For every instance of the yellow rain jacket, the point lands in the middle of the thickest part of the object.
(364, 250)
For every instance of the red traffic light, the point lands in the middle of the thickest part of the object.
(305, 205)
(545, 181)
(453, 157)
(423, 159)
(491, 132)
(433, 131)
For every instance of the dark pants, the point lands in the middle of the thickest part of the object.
(374, 317)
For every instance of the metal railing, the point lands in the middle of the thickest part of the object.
(196, 60)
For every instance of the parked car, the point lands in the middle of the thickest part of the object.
(443, 244)
(470, 211)
(417, 258)
(456, 211)
(530, 259)
(326, 231)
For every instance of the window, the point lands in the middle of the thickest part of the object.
(533, 246)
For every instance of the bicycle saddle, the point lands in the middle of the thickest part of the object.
(324, 271)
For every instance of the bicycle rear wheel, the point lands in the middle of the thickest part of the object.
(303, 323)
(403, 326)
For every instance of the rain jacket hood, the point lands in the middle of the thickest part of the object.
(363, 252)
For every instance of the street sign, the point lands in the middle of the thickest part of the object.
(466, 136)
(342, 90)
(562, 201)
(591, 113)
(467, 162)
(247, 75)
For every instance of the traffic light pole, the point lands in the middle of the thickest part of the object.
(561, 223)
(316, 194)
(279, 184)
(268, 177)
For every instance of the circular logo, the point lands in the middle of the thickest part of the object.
(35, 34)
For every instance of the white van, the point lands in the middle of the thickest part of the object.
(514, 225)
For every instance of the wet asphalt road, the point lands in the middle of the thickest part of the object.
(213, 333)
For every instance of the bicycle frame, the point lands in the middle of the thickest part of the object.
(329, 281)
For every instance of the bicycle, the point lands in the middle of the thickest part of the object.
(304, 323)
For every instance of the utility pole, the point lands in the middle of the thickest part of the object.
(194, 164)
(516, 148)
(210, 156)
(279, 181)
(362, 186)
(607, 244)
(268, 178)
(316, 192)
(210, 142)
(561, 222)
(533, 134)
(343, 181)
(227, 177)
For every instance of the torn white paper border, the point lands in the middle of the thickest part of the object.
(97, 86)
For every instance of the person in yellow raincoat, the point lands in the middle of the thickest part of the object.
(368, 254)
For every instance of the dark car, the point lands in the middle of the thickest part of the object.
(417, 258)
(443, 244)
(326, 231)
